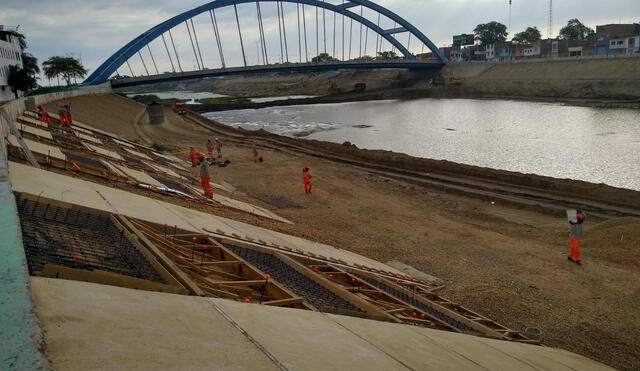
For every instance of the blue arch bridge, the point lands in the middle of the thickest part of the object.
(218, 39)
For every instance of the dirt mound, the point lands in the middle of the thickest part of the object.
(616, 240)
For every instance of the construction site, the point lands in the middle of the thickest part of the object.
(114, 259)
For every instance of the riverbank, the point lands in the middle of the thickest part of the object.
(504, 259)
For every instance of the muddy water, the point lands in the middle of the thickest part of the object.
(596, 145)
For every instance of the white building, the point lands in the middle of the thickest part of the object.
(625, 45)
(10, 54)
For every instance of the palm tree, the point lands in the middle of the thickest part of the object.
(65, 67)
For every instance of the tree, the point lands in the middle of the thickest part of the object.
(575, 30)
(323, 57)
(65, 67)
(30, 64)
(528, 36)
(387, 55)
(20, 80)
(364, 58)
(490, 33)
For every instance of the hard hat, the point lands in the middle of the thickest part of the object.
(306, 167)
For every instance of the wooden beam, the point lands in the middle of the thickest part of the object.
(162, 258)
(240, 283)
(277, 303)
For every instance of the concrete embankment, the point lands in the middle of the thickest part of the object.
(613, 79)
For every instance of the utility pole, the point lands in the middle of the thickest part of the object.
(510, 15)
(550, 25)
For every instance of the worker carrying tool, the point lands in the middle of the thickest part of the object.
(210, 147)
(576, 219)
(192, 157)
(43, 115)
(254, 151)
(62, 116)
(306, 179)
(205, 177)
(219, 147)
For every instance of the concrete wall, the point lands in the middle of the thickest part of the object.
(15, 107)
(612, 78)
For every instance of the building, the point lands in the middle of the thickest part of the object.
(10, 54)
(614, 38)
(503, 51)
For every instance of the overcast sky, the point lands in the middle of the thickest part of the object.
(93, 30)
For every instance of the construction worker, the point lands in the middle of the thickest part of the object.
(219, 147)
(192, 157)
(254, 150)
(62, 114)
(205, 177)
(69, 118)
(575, 223)
(210, 147)
(306, 179)
(43, 115)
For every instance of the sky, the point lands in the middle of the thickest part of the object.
(93, 30)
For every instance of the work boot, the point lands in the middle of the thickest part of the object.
(578, 262)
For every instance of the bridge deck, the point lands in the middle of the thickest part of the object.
(286, 67)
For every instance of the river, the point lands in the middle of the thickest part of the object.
(593, 144)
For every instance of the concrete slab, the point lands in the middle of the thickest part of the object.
(164, 169)
(32, 120)
(104, 152)
(35, 131)
(98, 327)
(139, 176)
(123, 143)
(239, 205)
(40, 148)
(76, 191)
(139, 154)
(89, 138)
(305, 340)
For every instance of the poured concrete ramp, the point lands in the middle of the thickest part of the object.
(40, 148)
(91, 326)
(59, 187)
(99, 327)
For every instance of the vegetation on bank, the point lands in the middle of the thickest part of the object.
(222, 100)
(160, 147)
(151, 98)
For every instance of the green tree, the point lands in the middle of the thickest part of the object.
(490, 33)
(530, 35)
(387, 55)
(21, 80)
(65, 67)
(575, 30)
(323, 57)
(364, 58)
(30, 64)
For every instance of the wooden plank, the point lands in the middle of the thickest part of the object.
(281, 302)
(170, 279)
(222, 263)
(240, 283)
(162, 258)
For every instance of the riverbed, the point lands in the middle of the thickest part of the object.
(592, 144)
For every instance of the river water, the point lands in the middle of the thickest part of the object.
(592, 144)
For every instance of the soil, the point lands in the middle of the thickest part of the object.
(507, 263)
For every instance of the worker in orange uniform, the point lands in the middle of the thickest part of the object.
(69, 118)
(205, 177)
(43, 115)
(62, 116)
(306, 179)
(575, 223)
(192, 157)
(219, 147)
(254, 151)
(209, 147)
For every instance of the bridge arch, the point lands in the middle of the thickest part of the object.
(106, 69)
